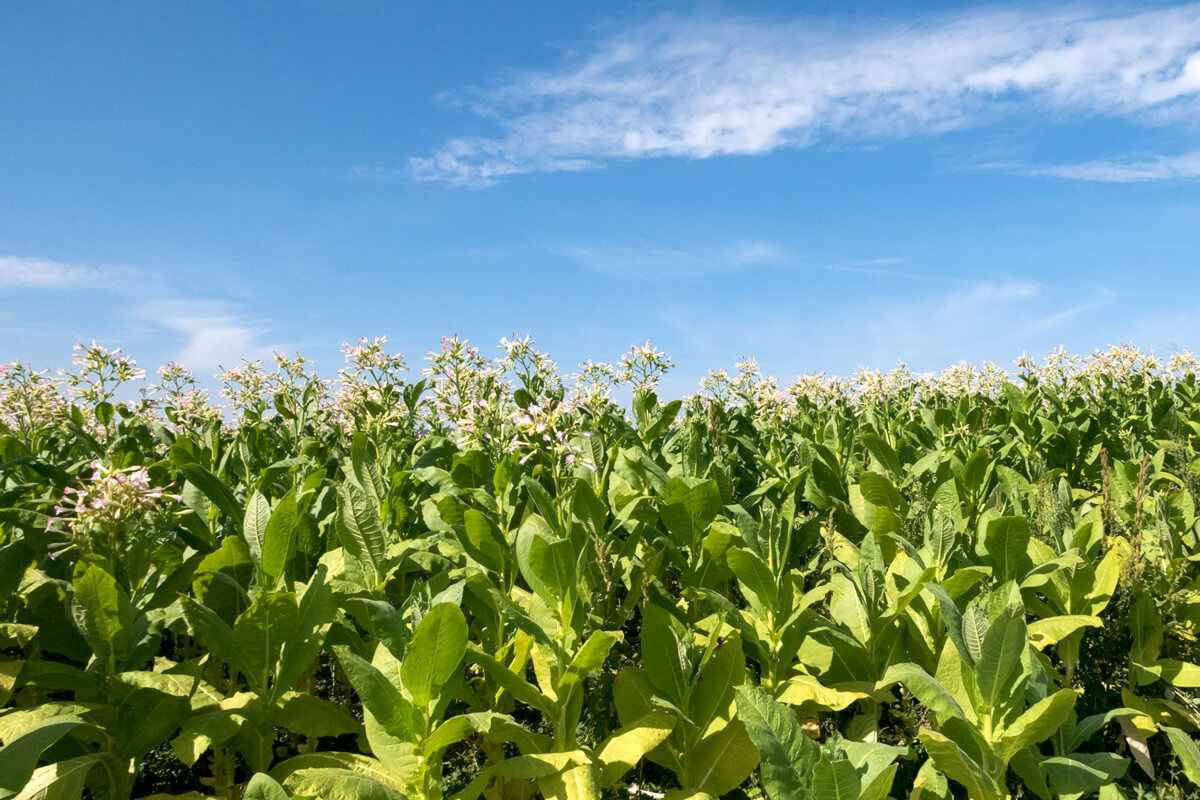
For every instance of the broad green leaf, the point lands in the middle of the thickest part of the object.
(487, 546)
(360, 531)
(925, 688)
(261, 632)
(279, 540)
(930, 784)
(590, 657)
(1182, 674)
(546, 562)
(516, 685)
(712, 692)
(254, 526)
(960, 768)
(339, 784)
(314, 716)
(786, 754)
(1036, 724)
(1083, 772)
(212, 728)
(1052, 630)
(263, 787)
(19, 758)
(1004, 543)
(755, 578)
(664, 656)
(1186, 751)
(1000, 659)
(313, 619)
(62, 780)
(101, 611)
(379, 696)
(835, 780)
(621, 751)
(434, 653)
(218, 637)
(722, 760)
(213, 488)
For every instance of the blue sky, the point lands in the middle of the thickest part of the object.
(822, 187)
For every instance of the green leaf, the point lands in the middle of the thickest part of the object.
(101, 611)
(786, 754)
(379, 696)
(721, 761)
(664, 655)
(62, 780)
(254, 526)
(975, 627)
(1186, 751)
(1083, 772)
(314, 716)
(435, 652)
(930, 784)
(279, 540)
(1037, 723)
(218, 637)
(1000, 658)
(261, 632)
(360, 530)
(546, 562)
(212, 728)
(959, 767)
(263, 787)
(313, 620)
(457, 728)
(590, 657)
(689, 507)
(339, 784)
(932, 694)
(1005, 542)
(835, 780)
(621, 751)
(516, 685)
(212, 487)
(19, 757)
(755, 578)
(1052, 630)
(486, 545)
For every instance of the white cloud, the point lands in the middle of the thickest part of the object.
(644, 259)
(214, 337)
(41, 273)
(1159, 168)
(696, 88)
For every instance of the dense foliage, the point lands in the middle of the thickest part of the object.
(491, 581)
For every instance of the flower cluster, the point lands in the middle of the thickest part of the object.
(28, 397)
(247, 388)
(181, 397)
(471, 399)
(98, 373)
(593, 387)
(109, 504)
(535, 370)
(643, 367)
(550, 427)
(371, 386)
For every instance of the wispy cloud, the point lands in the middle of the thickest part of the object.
(700, 87)
(654, 260)
(1158, 168)
(41, 273)
(881, 267)
(214, 336)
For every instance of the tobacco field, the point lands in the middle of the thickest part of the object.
(485, 578)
